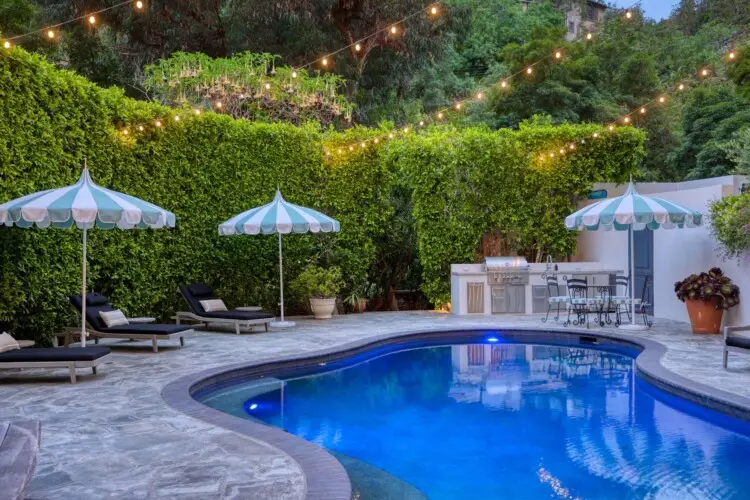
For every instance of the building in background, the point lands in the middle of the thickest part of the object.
(580, 17)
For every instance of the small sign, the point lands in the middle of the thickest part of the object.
(599, 194)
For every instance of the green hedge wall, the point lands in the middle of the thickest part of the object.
(206, 168)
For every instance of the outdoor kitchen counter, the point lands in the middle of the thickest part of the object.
(474, 291)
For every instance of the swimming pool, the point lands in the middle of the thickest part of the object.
(500, 419)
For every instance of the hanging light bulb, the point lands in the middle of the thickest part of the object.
(406, 130)
(704, 72)
(390, 135)
(140, 128)
(268, 86)
(731, 55)
(124, 131)
(92, 20)
(394, 29)
(197, 111)
(596, 134)
(294, 74)
(357, 47)
(351, 148)
(376, 140)
(341, 150)
(219, 105)
(440, 115)
(572, 146)
(589, 36)
(504, 84)
(662, 99)
(629, 15)
(552, 155)
(7, 44)
(458, 105)
(139, 5)
(157, 123)
(176, 118)
(626, 119)
(529, 70)
(611, 128)
(681, 87)
(421, 123)
(434, 10)
(50, 34)
(362, 144)
(324, 61)
(643, 110)
(562, 151)
(558, 55)
(480, 96)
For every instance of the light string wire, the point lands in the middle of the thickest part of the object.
(51, 28)
(504, 82)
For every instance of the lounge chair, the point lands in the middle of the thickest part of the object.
(53, 357)
(97, 328)
(736, 339)
(19, 446)
(197, 292)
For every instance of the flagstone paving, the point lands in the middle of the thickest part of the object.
(112, 435)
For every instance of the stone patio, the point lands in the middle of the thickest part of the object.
(112, 436)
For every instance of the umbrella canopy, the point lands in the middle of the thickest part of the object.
(634, 212)
(279, 217)
(85, 205)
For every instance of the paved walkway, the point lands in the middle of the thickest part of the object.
(112, 436)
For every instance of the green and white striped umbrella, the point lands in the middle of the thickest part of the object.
(633, 212)
(280, 217)
(85, 205)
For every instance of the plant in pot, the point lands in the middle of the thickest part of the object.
(357, 299)
(707, 296)
(321, 287)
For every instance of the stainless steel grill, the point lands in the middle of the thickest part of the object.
(507, 270)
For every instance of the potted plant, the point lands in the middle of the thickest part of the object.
(356, 301)
(707, 295)
(321, 287)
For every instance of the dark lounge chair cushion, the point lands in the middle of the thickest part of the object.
(196, 292)
(146, 329)
(239, 315)
(54, 354)
(95, 303)
(738, 341)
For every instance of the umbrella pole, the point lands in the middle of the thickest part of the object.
(632, 325)
(83, 293)
(281, 278)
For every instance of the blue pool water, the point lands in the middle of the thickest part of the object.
(510, 421)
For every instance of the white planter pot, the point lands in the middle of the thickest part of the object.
(322, 308)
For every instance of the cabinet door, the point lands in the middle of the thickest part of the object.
(499, 299)
(516, 300)
(475, 297)
(539, 298)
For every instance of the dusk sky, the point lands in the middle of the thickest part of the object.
(657, 9)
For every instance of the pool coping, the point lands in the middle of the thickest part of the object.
(325, 478)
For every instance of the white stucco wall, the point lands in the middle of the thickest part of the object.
(677, 252)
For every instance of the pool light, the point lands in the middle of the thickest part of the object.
(254, 406)
(492, 339)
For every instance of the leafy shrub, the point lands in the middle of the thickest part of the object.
(317, 283)
(730, 225)
(712, 286)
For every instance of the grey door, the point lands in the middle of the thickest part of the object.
(644, 262)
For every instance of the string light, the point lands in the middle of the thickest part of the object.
(92, 19)
(324, 61)
(7, 44)
(341, 150)
(363, 144)
(177, 118)
(572, 146)
(480, 96)
(626, 119)
(662, 99)
(50, 34)
(589, 36)
(596, 134)
(139, 4)
(294, 74)
(351, 148)
(504, 84)
(376, 140)
(731, 55)
(681, 87)
(394, 29)
(390, 135)
(704, 72)
(406, 130)
(558, 54)
(357, 47)
(140, 128)
(611, 128)
(268, 86)
(629, 15)
(643, 110)
(440, 115)
(197, 111)
(124, 131)
(529, 70)
(219, 105)
(158, 123)
(434, 10)
(421, 123)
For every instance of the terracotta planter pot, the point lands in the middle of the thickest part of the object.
(322, 308)
(704, 317)
(359, 307)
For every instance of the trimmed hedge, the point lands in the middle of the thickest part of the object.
(209, 167)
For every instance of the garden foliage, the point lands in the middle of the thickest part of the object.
(206, 168)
